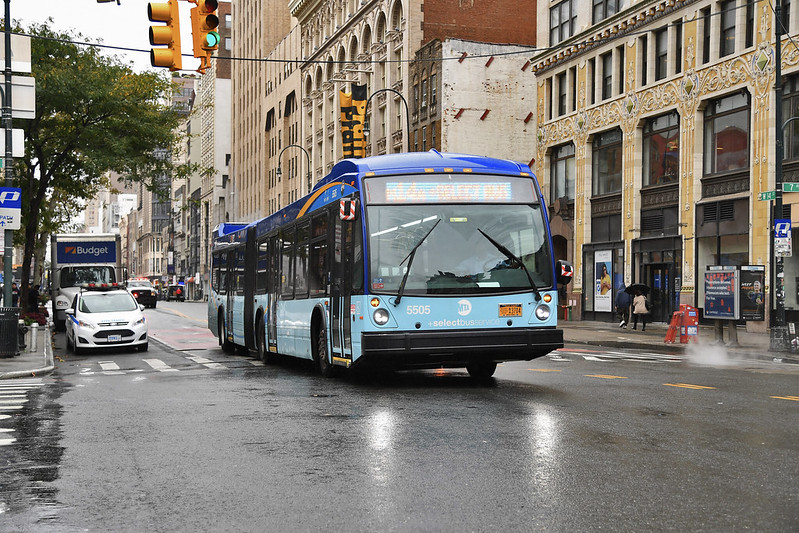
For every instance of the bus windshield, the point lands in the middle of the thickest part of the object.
(78, 275)
(458, 255)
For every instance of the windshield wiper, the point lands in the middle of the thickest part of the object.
(507, 253)
(409, 258)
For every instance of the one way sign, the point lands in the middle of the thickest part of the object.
(10, 207)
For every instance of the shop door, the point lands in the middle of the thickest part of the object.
(658, 277)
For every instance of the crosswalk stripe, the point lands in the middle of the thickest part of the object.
(6, 442)
(159, 365)
(21, 400)
(108, 365)
(10, 407)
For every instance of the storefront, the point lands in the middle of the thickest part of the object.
(603, 277)
(658, 265)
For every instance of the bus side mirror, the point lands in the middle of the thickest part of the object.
(564, 272)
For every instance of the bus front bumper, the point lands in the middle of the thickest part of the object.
(433, 349)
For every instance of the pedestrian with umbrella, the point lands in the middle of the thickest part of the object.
(623, 301)
(640, 304)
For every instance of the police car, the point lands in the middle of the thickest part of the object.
(105, 315)
(143, 291)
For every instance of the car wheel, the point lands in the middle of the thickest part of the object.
(325, 366)
(144, 347)
(482, 369)
(70, 346)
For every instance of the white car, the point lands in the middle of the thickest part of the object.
(104, 316)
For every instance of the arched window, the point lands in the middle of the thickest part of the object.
(396, 16)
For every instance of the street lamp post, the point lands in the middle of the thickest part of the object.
(407, 114)
(307, 156)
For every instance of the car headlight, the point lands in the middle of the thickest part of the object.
(139, 321)
(380, 316)
(542, 312)
(85, 324)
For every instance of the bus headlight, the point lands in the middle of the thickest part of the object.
(542, 312)
(380, 316)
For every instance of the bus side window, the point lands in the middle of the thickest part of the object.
(301, 262)
(261, 274)
(318, 262)
(287, 247)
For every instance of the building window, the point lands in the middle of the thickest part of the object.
(415, 98)
(433, 93)
(678, 47)
(607, 75)
(607, 156)
(727, 134)
(620, 76)
(433, 136)
(661, 54)
(562, 172)
(790, 108)
(424, 138)
(604, 8)
(561, 93)
(727, 35)
(661, 153)
(750, 23)
(591, 81)
(573, 80)
(786, 16)
(562, 20)
(705, 14)
(643, 58)
(423, 94)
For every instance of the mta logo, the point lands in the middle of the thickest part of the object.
(10, 196)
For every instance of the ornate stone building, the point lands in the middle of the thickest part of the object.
(656, 134)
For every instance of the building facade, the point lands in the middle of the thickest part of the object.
(656, 135)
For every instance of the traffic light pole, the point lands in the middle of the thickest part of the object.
(8, 166)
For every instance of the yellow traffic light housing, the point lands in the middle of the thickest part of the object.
(169, 35)
(204, 23)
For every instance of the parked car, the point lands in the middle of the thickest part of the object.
(105, 315)
(176, 292)
(143, 291)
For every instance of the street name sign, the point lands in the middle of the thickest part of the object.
(767, 195)
(790, 187)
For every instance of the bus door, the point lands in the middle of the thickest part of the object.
(341, 286)
(251, 258)
(230, 291)
(273, 288)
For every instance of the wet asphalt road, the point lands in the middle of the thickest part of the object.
(220, 443)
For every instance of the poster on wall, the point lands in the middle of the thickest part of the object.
(753, 301)
(604, 294)
(721, 296)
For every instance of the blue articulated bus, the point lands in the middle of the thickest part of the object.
(401, 261)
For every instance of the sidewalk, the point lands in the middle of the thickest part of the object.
(31, 363)
(609, 335)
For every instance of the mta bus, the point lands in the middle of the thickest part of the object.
(401, 261)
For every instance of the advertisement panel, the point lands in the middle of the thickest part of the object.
(603, 267)
(721, 296)
(752, 297)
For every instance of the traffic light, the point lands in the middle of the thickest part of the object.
(169, 35)
(203, 31)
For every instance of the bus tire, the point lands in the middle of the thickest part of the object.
(260, 343)
(226, 345)
(325, 366)
(481, 369)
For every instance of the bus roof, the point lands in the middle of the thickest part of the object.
(420, 162)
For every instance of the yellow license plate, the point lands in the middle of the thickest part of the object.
(510, 310)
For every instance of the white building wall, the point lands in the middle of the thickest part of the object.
(491, 97)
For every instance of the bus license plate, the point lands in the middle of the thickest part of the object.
(510, 310)
(114, 338)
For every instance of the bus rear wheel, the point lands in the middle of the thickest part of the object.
(481, 369)
(325, 366)
(226, 345)
(260, 343)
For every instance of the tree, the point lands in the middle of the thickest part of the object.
(93, 115)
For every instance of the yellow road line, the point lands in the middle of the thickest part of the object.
(793, 398)
(543, 369)
(604, 376)
(688, 386)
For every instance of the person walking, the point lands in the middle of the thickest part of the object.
(14, 295)
(623, 301)
(639, 309)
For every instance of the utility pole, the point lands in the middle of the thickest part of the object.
(779, 337)
(8, 163)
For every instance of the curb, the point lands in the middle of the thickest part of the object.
(49, 361)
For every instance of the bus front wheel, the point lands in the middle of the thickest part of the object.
(325, 366)
(263, 352)
(481, 369)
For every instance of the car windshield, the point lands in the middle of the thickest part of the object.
(76, 276)
(457, 256)
(107, 302)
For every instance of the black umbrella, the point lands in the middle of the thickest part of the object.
(637, 287)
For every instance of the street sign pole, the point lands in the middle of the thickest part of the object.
(8, 252)
(779, 330)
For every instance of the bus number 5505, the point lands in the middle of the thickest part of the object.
(418, 310)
